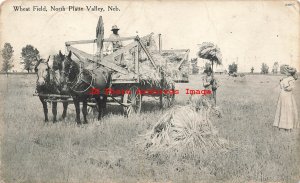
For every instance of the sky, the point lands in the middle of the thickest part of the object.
(247, 32)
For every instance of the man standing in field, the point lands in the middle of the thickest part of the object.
(210, 83)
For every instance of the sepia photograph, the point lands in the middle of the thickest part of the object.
(149, 91)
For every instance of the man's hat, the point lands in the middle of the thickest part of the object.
(115, 27)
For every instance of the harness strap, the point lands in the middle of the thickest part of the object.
(53, 77)
(78, 82)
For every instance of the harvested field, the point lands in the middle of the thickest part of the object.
(108, 151)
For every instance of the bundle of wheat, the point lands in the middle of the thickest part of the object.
(186, 130)
(172, 56)
(154, 79)
(148, 75)
(171, 63)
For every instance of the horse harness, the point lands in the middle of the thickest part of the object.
(79, 79)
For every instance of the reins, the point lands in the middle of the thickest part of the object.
(76, 83)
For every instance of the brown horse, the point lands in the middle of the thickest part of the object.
(48, 83)
(79, 82)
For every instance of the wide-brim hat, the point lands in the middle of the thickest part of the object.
(115, 27)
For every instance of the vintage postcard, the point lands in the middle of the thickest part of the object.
(150, 91)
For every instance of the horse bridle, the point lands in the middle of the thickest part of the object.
(47, 79)
(78, 80)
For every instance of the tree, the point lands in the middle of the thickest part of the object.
(264, 68)
(232, 68)
(29, 56)
(210, 52)
(252, 69)
(275, 68)
(7, 54)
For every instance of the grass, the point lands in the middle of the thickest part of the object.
(107, 151)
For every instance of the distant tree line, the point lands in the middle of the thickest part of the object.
(28, 57)
(30, 53)
(232, 68)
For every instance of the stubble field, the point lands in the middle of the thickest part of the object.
(107, 150)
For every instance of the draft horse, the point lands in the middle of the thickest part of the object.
(48, 82)
(79, 82)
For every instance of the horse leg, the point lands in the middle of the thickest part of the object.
(104, 100)
(54, 111)
(77, 108)
(45, 108)
(64, 114)
(84, 110)
(98, 101)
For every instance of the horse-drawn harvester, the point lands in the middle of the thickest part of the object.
(125, 73)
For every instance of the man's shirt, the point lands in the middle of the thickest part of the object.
(115, 45)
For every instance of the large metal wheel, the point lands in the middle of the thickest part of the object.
(167, 100)
(132, 102)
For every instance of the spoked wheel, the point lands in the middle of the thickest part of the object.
(132, 102)
(167, 100)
